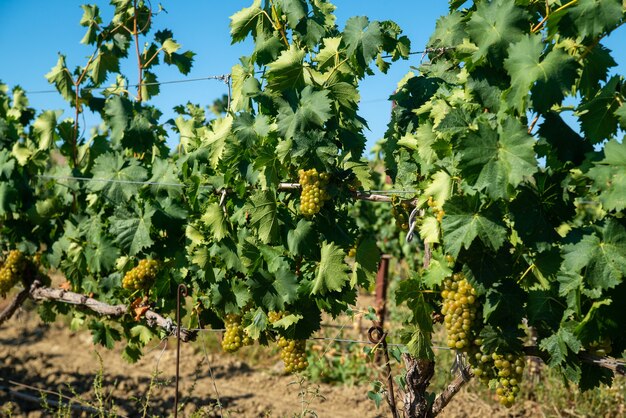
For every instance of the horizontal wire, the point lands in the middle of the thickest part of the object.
(339, 340)
(152, 183)
(223, 77)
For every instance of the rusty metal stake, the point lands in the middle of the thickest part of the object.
(377, 336)
(182, 290)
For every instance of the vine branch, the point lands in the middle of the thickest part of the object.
(102, 308)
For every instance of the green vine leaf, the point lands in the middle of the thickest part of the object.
(496, 160)
(132, 231)
(547, 78)
(312, 111)
(332, 271)
(363, 39)
(216, 221)
(602, 255)
(609, 176)
(287, 72)
(264, 215)
(244, 21)
(465, 220)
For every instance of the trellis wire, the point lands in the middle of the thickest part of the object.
(164, 184)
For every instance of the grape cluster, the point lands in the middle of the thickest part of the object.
(400, 211)
(11, 271)
(507, 368)
(459, 310)
(293, 354)
(600, 348)
(141, 276)
(274, 316)
(235, 336)
(434, 206)
(313, 191)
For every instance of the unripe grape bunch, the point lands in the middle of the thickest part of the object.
(459, 310)
(293, 354)
(235, 336)
(11, 271)
(400, 212)
(141, 276)
(313, 191)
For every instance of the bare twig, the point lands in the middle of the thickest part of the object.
(60, 295)
(8, 312)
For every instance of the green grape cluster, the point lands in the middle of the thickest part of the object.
(400, 211)
(274, 316)
(11, 271)
(313, 191)
(434, 207)
(507, 368)
(141, 276)
(235, 336)
(459, 310)
(510, 369)
(293, 354)
(600, 348)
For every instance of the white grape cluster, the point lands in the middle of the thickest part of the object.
(141, 276)
(313, 191)
(11, 271)
(235, 336)
(459, 310)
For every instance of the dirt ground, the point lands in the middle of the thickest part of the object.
(36, 357)
(51, 357)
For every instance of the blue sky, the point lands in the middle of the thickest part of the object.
(32, 32)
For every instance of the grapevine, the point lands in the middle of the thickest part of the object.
(527, 207)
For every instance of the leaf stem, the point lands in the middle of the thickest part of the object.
(543, 21)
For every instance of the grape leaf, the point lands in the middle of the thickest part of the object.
(302, 240)
(548, 79)
(61, 77)
(118, 112)
(287, 72)
(593, 17)
(104, 334)
(312, 111)
(559, 345)
(365, 263)
(295, 10)
(602, 255)
(214, 218)
(494, 26)
(465, 220)
(44, 127)
(215, 139)
(597, 115)
(101, 255)
(264, 215)
(362, 39)
(244, 21)
(609, 176)
(331, 273)
(132, 231)
(113, 177)
(496, 160)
